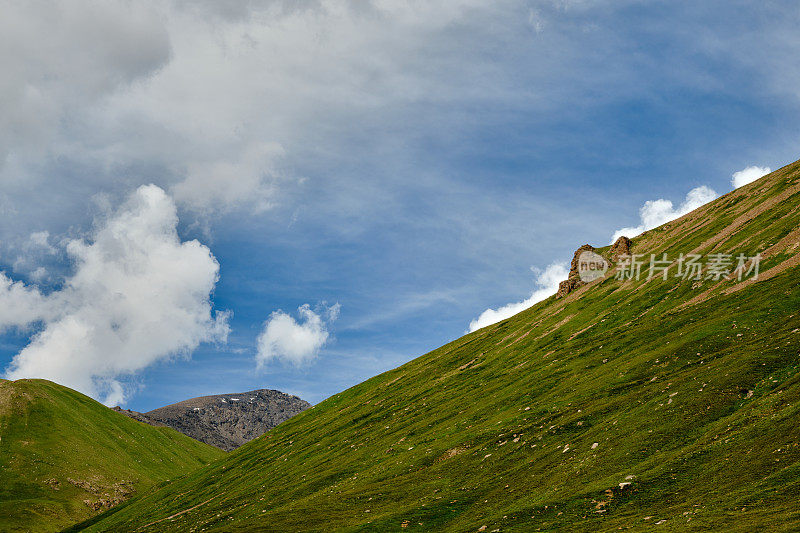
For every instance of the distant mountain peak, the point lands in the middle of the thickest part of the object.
(225, 420)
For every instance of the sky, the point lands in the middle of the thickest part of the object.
(203, 198)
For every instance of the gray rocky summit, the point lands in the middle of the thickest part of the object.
(225, 420)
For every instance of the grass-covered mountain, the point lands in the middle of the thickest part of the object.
(625, 404)
(64, 457)
(225, 420)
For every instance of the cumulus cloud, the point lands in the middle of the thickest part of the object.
(21, 305)
(748, 175)
(547, 285)
(137, 295)
(656, 212)
(293, 341)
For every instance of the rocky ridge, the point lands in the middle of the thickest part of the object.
(225, 420)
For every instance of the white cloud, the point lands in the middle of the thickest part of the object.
(115, 394)
(297, 342)
(547, 283)
(21, 305)
(40, 239)
(137, 295)
(748, 175)
(656, 212)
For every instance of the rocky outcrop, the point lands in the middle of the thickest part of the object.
(567, 286)
(621, 247)
(226, 420)
(574, 280)
(573, 266)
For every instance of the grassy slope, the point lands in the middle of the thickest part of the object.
(49, 432)
(499, 427)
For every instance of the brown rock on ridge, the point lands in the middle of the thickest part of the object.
(622, 246)
(573, 281)
(226, 420)
(567, 286)
(573, 266)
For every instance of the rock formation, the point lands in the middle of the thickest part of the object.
(621, 247)
(573, 281)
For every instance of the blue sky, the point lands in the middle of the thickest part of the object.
(410, 162)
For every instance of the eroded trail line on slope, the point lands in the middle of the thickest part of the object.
(178, 513)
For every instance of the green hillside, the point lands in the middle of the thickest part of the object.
(64, 457)
(672, 405)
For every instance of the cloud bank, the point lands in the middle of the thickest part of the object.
(748, 175)
(547, 285)
(137, 295)
(217, 99)
(295, 342)
(656, 212)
